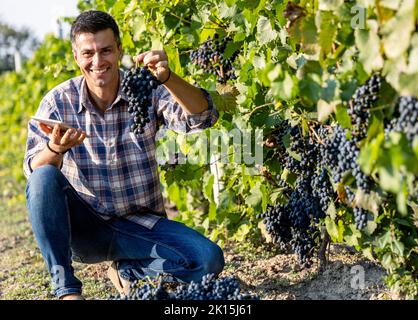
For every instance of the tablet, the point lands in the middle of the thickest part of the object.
(51, 123)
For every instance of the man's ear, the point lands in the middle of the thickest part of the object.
(75, 56)
(120, 52)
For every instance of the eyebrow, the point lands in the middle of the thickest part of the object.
(101, 49)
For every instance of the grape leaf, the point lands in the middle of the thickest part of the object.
(368, 43)
(265, 31)
(330, 5)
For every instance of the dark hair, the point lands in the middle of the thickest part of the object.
(92, 22)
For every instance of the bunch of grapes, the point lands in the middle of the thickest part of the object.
(210, 56)
(340, 155)
(281, 130)
(295, 223)
(213, 289)
(278, 225)
(322, 188)
(364, 98)
(209, 288)
(138, 84)
(407, 119)
(360, 217)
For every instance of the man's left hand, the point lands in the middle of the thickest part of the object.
(157, 61)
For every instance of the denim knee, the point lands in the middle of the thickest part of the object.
(213, 262)
(42, 178)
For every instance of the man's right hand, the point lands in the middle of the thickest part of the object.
(61, 140)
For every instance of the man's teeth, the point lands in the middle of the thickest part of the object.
(99, 70)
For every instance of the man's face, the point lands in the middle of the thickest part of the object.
(98, 55)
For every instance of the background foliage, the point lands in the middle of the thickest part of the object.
(301, 62)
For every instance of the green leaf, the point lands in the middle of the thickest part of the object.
(127, 40)
(208, 188)
(174, 59)
(331, 211)
(325, 109)
(330, 5)
(368, 43)
(227, 12)
(310, 90)
(368, 253)
(369, 201)
(342, 117)
(390, 4)
(375, 128)
(408, 84)
(284, 89)
(330, 91)
(133, 4)
(352, 236)
(401, 200)
(242, 232)
(387, 261)
(390, 179)
(255, 198)
(231, 47)
(398, 247)
(327, 26)
(332, 229)
(250, 4)
(309, 36)
(212, 211)
(384, 240)
(265, 31)
(371, 227)
(265, 197)
(397, 31)
(370, 153)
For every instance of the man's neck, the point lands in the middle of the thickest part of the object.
(103, 97)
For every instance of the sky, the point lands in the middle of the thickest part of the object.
(38, 15)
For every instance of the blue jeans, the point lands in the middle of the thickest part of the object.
(67, 229)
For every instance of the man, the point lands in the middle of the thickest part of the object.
(93, 194)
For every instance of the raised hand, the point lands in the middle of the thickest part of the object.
(61, 140)
(157, 61)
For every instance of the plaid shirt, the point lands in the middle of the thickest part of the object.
(115, 172)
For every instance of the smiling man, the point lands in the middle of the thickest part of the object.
(98, 199)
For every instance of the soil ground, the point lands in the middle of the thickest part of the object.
(262, 270)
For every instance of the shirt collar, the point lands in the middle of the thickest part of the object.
(85, 100)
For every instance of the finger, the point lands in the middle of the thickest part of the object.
(56, 134)
(67, 137)
(81, 138)
(75, 136)
(152, 59)
(140, 58)
(162, 64)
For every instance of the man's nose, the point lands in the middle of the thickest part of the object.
(96, 59)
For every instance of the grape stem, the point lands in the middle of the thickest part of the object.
(259, 107)
(180, 18)
(319, 140)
